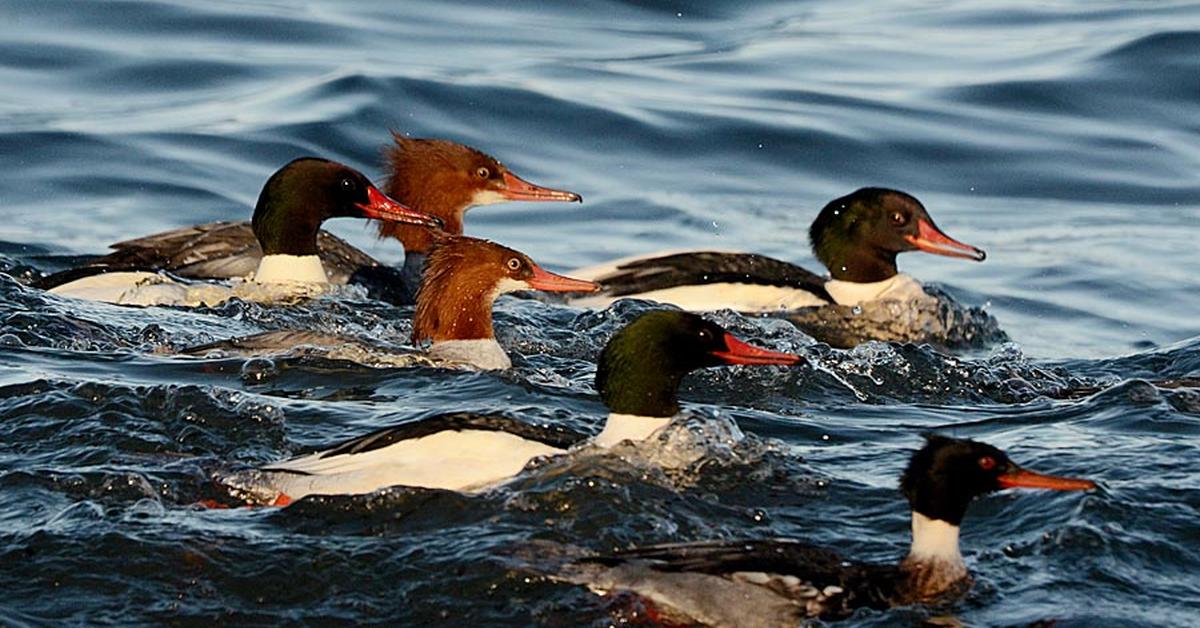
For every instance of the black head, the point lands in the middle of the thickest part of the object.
(858, 236)
(641, 367)
(306, 192)
(947, 473)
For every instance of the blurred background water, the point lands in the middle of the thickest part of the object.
(1061, 136)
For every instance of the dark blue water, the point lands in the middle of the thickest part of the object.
(1062, 137)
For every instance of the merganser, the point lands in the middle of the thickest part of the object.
(857, 237)
(638, 377)
(291, 207)
(779, 582)
(463, 277)
(437, 177)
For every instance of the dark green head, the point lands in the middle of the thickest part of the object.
(945, 475)
(642, 365)
(306, 192)
(858, 236)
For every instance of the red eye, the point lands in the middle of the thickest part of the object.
(987, 463)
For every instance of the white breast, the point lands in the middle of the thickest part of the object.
(741, 297)
(902, 287)
(289, 269)
(465, 460)
(622, 427)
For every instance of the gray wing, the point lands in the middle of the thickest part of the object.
(708, 267)
(215, 250)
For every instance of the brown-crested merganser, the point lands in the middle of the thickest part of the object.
(463, 277)
(780, 582)
(291, 207)
(437, 177)
(638, 377)
(857, 237)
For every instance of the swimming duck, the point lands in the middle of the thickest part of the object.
(463, 277)
(638, 377)
(780, 582)
(856, 237)
(440, 178)
(293, 204)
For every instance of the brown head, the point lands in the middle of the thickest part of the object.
(445, 179)
(463, 276)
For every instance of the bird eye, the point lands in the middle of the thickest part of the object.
(514, 264)
(705, 335)
(347, 184)
(483, 173)
(898, 219)
(987, 463)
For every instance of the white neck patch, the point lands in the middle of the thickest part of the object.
(487, 197)
(902, 287)
(934, 539)
(508, 284)
(622, 427)
(290, 269)
(483, 353)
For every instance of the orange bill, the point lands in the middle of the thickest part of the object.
(931, 240)
(1021, 478)
(550, 282)
(738, 352)
(380, 206)
(518, 189)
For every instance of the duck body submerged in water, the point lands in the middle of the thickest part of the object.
(638, 378)
(856, 237)
(781, 582)
(293, 204)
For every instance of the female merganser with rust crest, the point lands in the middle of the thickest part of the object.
(857, 237)
(291, 207)
(638, 378)
(436, 177)
(778, 582)
(463, 277)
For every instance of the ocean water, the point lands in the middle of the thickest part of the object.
(1060, 136)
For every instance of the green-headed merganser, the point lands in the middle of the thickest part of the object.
(437, 177)
(638, 378)
(291, 207)
(779, 582)
(857, 237)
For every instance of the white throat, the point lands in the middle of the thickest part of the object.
(934, 540)
(486, 197)
(902, 287)
(622, 427)
(482, 353)
(290, 269)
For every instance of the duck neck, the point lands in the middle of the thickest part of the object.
(621, 427)
(284, 228)
(934, 564)
(847, 262)
(455, 304)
